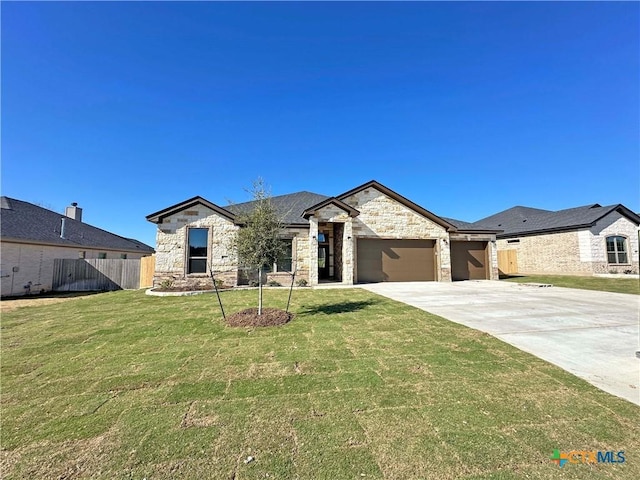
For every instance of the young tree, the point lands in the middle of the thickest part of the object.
(258, 241)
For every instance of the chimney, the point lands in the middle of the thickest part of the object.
(74, 212)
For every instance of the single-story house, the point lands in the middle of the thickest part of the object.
(32, 237)
(367, 234)
(586, 240)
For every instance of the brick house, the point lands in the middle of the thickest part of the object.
(32, 237)
(586, 240)
(367, 234)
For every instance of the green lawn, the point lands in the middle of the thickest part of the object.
(618, 285)
(122, 385)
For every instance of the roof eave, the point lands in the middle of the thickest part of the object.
(545, 231)
(71, 244)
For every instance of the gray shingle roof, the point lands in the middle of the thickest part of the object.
(463, 226)
(28, 222)
(289, 207)
(524, 220)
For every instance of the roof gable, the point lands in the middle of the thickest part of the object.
(29, 223)
(331, 201)
(400, 199)
(157, 217)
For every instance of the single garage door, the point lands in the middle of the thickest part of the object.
(395, 260)
(469, 260)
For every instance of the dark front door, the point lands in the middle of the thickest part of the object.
(323, 262)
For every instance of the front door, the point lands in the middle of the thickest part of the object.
(323, 262)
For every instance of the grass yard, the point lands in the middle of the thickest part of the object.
(122, 385)
(618, 285)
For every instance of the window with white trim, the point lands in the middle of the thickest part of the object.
(617, 250)
(197, 250)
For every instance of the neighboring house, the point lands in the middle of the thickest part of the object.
(32, 237)
(368, 234)
(584, 240)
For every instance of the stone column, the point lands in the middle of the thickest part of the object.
(494, 273)
(313, 250)
(347, 252)
(445, 260)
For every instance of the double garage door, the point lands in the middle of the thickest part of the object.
(386, 260)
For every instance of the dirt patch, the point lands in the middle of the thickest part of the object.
(11, 304)
(270, 317)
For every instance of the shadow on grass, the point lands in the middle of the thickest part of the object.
(332, 308)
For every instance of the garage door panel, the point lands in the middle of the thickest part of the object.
(389, 260)
(469, 260)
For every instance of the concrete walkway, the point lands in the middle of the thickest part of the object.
(591, 334)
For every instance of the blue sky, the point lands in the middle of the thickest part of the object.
(465, 108)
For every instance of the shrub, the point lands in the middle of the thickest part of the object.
(302, 283)
(168, 283)
(274, 283)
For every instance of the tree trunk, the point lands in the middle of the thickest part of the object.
(260, 291)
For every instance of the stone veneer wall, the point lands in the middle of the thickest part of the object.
(580, 252)
(383, 217)
(171, 245)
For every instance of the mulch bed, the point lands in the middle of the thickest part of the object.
(271, 317)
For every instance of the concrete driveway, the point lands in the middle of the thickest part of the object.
(591, 334)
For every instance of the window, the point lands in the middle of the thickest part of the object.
(123, 256)
(82, 254)
(617, 249)
(322, 238)
(284, 263)
(198, 249)
(102, 255)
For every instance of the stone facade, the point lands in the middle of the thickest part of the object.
(578, 252)
(383, 217)
(34, 264)
(171, 248)
(378, 215)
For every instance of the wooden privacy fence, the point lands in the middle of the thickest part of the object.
(147, 269)
(82, 275)
(508, 262)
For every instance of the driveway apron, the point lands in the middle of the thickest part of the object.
(594, 335)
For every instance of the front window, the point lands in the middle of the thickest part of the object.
(284, 263)
(198, 250)
(617, 250)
